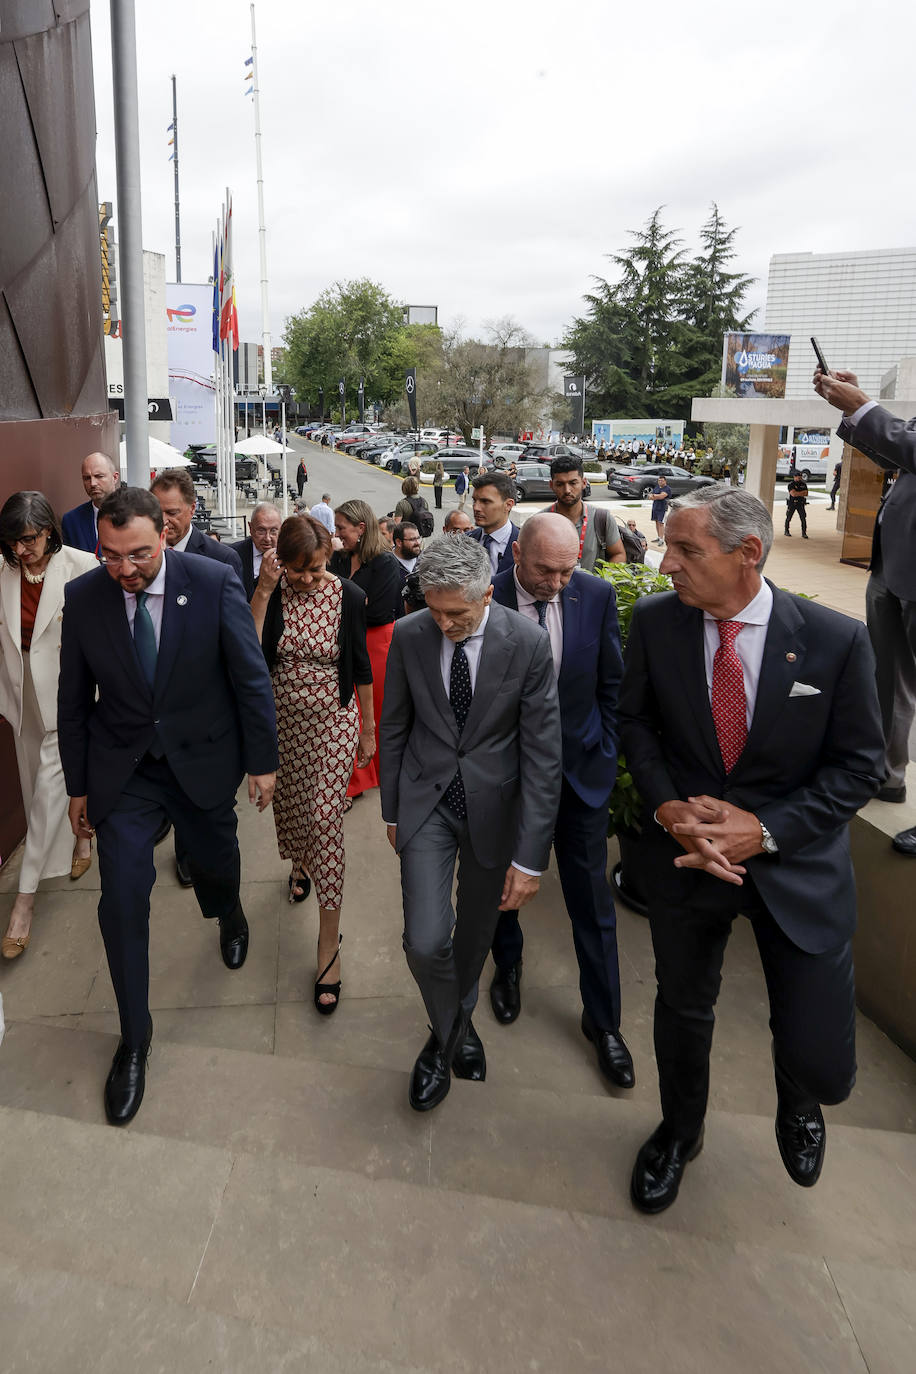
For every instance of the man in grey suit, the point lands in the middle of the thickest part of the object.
(890, 599)
(471, 765)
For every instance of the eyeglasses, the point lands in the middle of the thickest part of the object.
(29, 540)
(137, 559)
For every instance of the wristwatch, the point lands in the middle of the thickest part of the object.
(766, 839)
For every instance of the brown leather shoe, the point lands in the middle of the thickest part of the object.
(11, 949)
(80, 866)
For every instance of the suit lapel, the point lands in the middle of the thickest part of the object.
(11, 599)
(52, 594)
(572, 621)
(175, 606)
(92, 540)
(495, 657)
(785, 636)
(121, 637)
(430, 646)
(689, 661)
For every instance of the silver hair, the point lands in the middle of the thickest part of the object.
(733, 515)
(263, 505)
(450, 563)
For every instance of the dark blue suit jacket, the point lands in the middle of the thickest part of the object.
(206, 547)
(506, 558)
(589, 681)
(211, 706)
(78, 527)
(245, 550)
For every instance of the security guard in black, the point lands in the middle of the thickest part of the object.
(797, 497)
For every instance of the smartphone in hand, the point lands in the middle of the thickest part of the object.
(821, 360)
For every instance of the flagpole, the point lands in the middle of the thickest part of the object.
(262, 229)
(177, 211)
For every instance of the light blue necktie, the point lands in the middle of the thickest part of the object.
(145, 638)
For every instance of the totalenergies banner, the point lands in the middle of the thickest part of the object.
(189, 331)
(755, 364)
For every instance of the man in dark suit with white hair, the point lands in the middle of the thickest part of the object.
(750, 723)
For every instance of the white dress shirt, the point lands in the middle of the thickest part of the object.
(473, 646)
(857, 415)
(183, 543)
(257, 557)
(499, 542)
(154, 602)
(749, 644)
(324, 513)
(553, 622)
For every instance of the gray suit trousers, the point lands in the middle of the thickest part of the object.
(892, 629)
(447, 966)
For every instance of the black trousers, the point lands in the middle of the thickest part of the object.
(580, 844)
(125, 845)
(812, 1007)
(437, 492)
(793, 506)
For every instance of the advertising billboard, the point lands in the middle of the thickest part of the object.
(755, 364)
(189, 333)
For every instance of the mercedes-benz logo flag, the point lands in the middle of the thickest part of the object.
(321, 402)
(361, 398)
(342, 392)
(411, 388)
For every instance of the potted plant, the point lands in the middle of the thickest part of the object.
(631, 582)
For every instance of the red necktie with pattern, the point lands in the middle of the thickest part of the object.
(729, 704)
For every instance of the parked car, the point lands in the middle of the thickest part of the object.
(533, 480)
(246, 469)
(545, 453)
(504, 454)
(454, 461)
(373, 446)
(640, 479)
(400, 458)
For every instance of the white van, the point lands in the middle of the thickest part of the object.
(812, 461)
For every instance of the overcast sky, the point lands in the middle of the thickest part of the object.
(485, 156)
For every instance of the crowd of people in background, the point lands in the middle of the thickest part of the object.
(478, 679)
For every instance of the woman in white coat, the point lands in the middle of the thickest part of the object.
(33, 573)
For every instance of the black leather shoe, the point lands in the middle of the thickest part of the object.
(905, 842)
(233, 938)
(430, 1078)
(659, 1167)
(182, 873)
(896, 795)
(614, 1059)
(163, 830)
(505, 993)
(802, 1139)
(126, 1082)
(469, 1060)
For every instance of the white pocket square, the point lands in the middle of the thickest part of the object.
(801, 689)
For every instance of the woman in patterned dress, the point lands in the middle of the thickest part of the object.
(313, 632)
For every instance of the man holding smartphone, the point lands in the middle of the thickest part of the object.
(797, 490)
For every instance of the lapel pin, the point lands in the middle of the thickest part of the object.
(790, 658)
(183, 601)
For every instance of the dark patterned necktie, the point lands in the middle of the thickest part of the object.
(145, 638)
(459, 695)
(541, 608)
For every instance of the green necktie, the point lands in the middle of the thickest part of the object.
(145, 638)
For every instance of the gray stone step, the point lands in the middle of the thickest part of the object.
(125, 1247)
(553, 1150)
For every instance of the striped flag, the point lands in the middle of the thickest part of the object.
(228, 314)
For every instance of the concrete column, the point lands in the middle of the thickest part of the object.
(762, 453)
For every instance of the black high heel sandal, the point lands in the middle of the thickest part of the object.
(299, 880)
(321, 989)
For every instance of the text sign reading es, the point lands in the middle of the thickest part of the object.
(755, 364)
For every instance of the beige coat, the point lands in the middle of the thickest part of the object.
(44, 655)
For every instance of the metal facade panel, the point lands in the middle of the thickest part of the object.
(17, 395)
(55, 306)
(21, 18)
(25, 216)
(56, 69)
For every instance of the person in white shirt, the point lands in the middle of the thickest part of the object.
(324, 512)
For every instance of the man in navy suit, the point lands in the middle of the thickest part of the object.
(175, 493)
(164, 704)
(579, 613)
(80, 525)
(264, 530)
(493, 499)
(751, 726)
